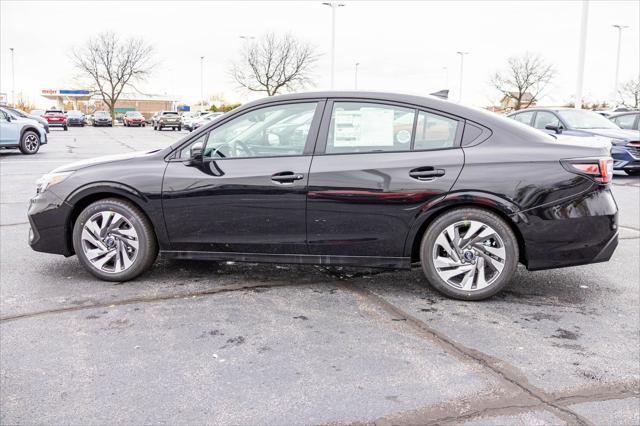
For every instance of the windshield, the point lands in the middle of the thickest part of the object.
(134, 114)
(74, 114)
(100, 114)
(581, 119)
(169, 113)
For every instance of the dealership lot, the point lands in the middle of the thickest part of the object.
(194, 342)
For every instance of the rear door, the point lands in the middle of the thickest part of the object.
(377, 166)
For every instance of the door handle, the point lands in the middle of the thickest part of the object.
(426, 173)
(286, 177)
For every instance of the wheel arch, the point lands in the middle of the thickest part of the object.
(25, 129)
(488, 202)
(85, 196)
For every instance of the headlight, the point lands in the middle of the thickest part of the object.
(615, 141)
(50, 180)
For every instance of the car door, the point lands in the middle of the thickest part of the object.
(377, 166)
(248, 194)
(9, 132)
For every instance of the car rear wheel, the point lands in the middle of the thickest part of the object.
(469, 254)
(114, 240)
(66, 128)
(30, 142)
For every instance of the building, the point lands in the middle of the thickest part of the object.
(88, 102)
(509, 101)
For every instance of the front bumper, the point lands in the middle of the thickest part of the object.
(169, 124)
(625, 157)
(575, 232)
(102, 123)
(48, 219)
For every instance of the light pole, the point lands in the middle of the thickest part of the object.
(582, 51)
(356, 76)
(333, 6)
(247, 38)
(446, 77)
(202, 82)
(615, 84)
(461, 72)
(13, 80)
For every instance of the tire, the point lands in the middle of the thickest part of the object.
(114, 245)
(499, 238)
(29, 142)
(179, 128)
(632, 172)
(66, 128)
(159, 127)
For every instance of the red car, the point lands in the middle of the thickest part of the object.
(133, 118)
(55, 117)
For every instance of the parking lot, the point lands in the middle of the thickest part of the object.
(230, 343)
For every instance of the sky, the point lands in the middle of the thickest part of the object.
(407, 47)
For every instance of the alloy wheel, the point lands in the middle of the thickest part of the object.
(31, 142)
(469, 255)
(110, 242)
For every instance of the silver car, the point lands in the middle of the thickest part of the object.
(23, 133)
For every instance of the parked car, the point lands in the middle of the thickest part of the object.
(167, 119)
(56, 118)
(102, 118)
(75, 118)
(626, 120)
(23, 114)
(201, 121)
(38, 112)
(133, 118)
(625, 144)
(460, 195)
(18, 132)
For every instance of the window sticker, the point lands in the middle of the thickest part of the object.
(363, 127)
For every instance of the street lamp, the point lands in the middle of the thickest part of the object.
(461, 72)
(244, 37)
(446, 77)
(356, 77)
(620, 28)
(202, 82)
(13, 80)
(333, 6)
(582, 51)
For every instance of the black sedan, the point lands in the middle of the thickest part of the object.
(75, 118)
(341, 178)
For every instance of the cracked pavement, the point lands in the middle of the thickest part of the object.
(229, 343)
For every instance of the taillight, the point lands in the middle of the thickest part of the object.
(598, 169)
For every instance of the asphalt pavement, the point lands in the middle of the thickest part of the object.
(230, 343)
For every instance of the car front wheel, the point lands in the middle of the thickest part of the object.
(30, 142)
(469, 254)
(114, 240)
(632, 172)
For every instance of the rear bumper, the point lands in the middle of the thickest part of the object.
(575, 232)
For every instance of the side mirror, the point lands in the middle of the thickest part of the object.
(195, 153)
(557, 129)
(8, 118)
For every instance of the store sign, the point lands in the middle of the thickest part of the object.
(65, 92)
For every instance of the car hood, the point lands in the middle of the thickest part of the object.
(101, 160)
(626, 135)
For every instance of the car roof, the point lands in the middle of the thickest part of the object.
(618, 114)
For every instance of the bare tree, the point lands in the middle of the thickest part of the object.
(112, 64)
(275, 63)
(630, 90)
(524, 79)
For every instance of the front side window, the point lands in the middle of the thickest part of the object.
(625, 121)
(582, 119)
(367, 127)
(435, 131)
(280, 130)
(544, 119)
(523, 117)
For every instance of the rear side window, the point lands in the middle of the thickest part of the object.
(435, 131)
(368, 127)
(625, 121)
(523, 117)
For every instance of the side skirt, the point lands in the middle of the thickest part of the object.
(305, 259)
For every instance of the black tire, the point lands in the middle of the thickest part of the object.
(632, 172)
(66, 128)
(159, 127)
(179, 128)
(500, 227)
(29, 142)
(147, 248)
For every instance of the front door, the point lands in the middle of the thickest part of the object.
(381, 166)
(248, 194)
